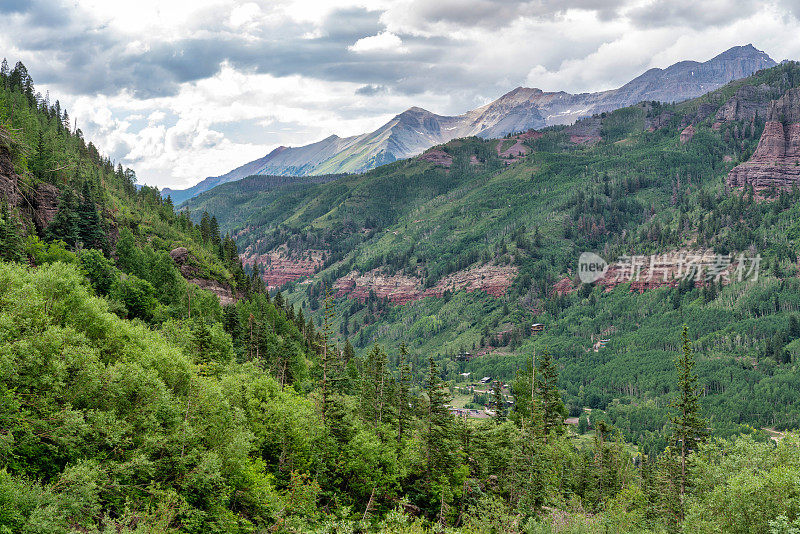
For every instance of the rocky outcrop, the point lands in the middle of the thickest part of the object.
(585, 132)
(438, 157)
(746, 104)
(400, 289)
(775, 164)
(281, 266)
(223, 291)
(39, 205)
(687, 134)
(563, 286)
(668, 269)
(183, 259)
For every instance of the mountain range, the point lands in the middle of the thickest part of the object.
(416, 129)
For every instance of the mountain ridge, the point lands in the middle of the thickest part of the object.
(416, 129)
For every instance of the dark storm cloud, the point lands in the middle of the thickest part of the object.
(371, 89)
(106, 66)
(689, 13)
(492, 14)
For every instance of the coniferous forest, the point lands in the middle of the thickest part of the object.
(151, 383)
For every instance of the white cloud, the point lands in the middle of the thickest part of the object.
(382, 42)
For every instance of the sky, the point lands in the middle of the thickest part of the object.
(179, 90)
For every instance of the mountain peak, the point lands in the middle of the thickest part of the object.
(522, 108)
(277, 151)
(747, 51)
(415, 109)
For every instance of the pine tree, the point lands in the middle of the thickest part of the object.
(528, 487)
(90, 224)
(64, 225)
(403, 393)
(690, 427)
(374, 383)
(205, 227)
(11, 247)
(437, 425)
(553, 411)
(349, 353)
(331, 372)
(213, 229)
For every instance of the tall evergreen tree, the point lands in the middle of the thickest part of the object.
(90, 224)
(690, 427)
(65, 224)
(553, 410)
(11, 247)
(403, 393)
(438, 423)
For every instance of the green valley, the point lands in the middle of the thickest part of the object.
(411, 349)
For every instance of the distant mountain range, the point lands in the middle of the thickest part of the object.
(417, 129)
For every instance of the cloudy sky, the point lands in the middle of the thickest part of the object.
(184, 90)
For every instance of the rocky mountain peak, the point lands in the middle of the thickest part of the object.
(523, 108)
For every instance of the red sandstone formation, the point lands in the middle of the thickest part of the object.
(687, 134)
(668, 269)
(438, 157)
(563, 287)
(280, 266)
(775, 165)
(400, 289)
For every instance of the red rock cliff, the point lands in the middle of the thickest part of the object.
(776, 162)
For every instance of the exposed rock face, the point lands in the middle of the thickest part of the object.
(179, 255)
(400, 289)
(222, 291)
(40, 207)
(46, 204)
(668, 269)
(438, 157)
(518, 149)
(563, 287)
(748, 103)
(280, 266)
(775, 165)
(414, 130)
(586, 131)
(687, 134)
(182, 258)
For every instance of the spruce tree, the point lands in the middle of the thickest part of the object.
(348, 353)
(11, 247)
(553, 411)
(437, 425)
(690, 428)
(403, 393)
(90, 224)
(64, 225)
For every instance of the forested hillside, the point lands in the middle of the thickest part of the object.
(132, 400)
(459, 251)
